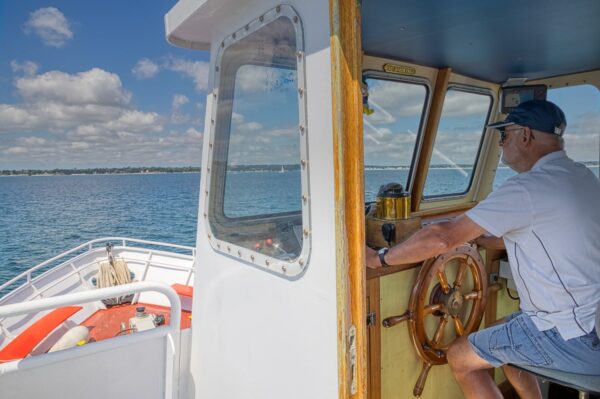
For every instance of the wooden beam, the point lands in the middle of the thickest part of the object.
(448, 211)
(345, 41)
(431, 127)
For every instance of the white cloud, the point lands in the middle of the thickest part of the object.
(458, 103)
(383, 146)
(15, 118)
(145, 69)
(587, 124)
(250, 126)
(33, 141)
(251, 78)
(259, 79)
(50, 25)
(57, 101)
(236, 118)
(93, 87)
(251, 143)
(19, 150)
(195, 134)
(28, 68)
(132, 121)
(179, 100)
(80, 145)
(397, 99)
(88, 119)
(457, 144)
(240, 126)
(178, 117)
(582, 137)
(125, 149)
(196, 70)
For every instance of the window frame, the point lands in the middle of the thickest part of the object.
(476, 163)
(376, 74)
(220, 124)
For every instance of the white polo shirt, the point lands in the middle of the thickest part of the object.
(549, 218)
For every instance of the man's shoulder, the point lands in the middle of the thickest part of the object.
(514, 183)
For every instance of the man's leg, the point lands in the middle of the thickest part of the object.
(471, 371)
(524, 383)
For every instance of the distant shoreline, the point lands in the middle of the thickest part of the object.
(96, 174)
(191, 169)
(100, 171)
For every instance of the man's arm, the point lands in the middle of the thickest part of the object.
(430, 241)
(490, 242)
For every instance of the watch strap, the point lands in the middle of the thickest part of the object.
(381, 254)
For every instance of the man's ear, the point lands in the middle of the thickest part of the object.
(527, 136)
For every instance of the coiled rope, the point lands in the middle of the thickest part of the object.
(114, 272)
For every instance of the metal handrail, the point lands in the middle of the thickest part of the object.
(90, 246)
(171, 331)
(38, 305)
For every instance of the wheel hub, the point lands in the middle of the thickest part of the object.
(452, 301)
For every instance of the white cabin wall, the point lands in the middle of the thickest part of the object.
(256, 334)
(136, 370)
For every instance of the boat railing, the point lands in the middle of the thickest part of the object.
(81, 251)
(170, 331)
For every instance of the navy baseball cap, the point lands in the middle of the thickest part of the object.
(540, 115)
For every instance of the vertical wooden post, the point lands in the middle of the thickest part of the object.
(349, 193)
(433, 120)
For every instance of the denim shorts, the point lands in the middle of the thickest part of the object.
(519, 342)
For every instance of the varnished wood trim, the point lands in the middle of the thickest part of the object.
(446, 211)
(349, 190)
(374, 332)
(435, 111)
(384, 271)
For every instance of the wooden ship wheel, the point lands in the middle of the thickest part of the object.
(437, 306)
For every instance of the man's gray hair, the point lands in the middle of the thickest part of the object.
(548, 139)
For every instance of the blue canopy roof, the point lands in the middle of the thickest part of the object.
(489, 40)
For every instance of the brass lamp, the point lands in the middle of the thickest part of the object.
(393, 203)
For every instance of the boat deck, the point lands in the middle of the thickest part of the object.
(106, 323)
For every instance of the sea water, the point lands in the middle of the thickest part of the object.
(43, 216)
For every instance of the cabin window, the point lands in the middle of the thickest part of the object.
(257, 189)
(457, 143)
(392, 122)
(263, 159)
(581, 105)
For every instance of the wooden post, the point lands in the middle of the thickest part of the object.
(433, 120)
(349, 193)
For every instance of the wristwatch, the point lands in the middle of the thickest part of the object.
(381, 254)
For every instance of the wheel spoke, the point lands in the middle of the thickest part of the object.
(458, 325)
(473, 295)
(441, 275)
(439, 333)
(460, 275)
(432, 308)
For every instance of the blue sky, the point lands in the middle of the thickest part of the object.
(94, 83)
